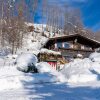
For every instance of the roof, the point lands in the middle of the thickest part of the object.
(80, 39)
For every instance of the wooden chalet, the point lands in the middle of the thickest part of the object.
(71, 45)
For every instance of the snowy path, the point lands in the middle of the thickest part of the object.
(52, 91)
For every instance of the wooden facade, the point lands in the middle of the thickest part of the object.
(72, 44)
(52, 59)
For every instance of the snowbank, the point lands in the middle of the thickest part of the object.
(79, 71)
(25, 60)
(83, 70)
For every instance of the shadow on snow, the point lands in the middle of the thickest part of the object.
(59, 91)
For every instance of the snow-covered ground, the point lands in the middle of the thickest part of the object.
(47, 84)
(52, 91)
(78, 80)
(17, 85)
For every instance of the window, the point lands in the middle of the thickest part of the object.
(66, 45)
(59, 45)
(63, 45)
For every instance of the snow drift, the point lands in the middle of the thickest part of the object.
(83, 70)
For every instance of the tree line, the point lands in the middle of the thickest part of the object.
(14, 14)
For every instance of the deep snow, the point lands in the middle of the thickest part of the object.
(47, 85)
(11, 78)
(79, 80)
(83, 70)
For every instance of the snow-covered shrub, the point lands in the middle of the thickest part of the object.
(26, 62)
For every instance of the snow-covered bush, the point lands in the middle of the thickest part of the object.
(26, 62)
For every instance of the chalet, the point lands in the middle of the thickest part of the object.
(71, 45)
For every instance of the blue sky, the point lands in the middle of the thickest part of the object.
(89, 8)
